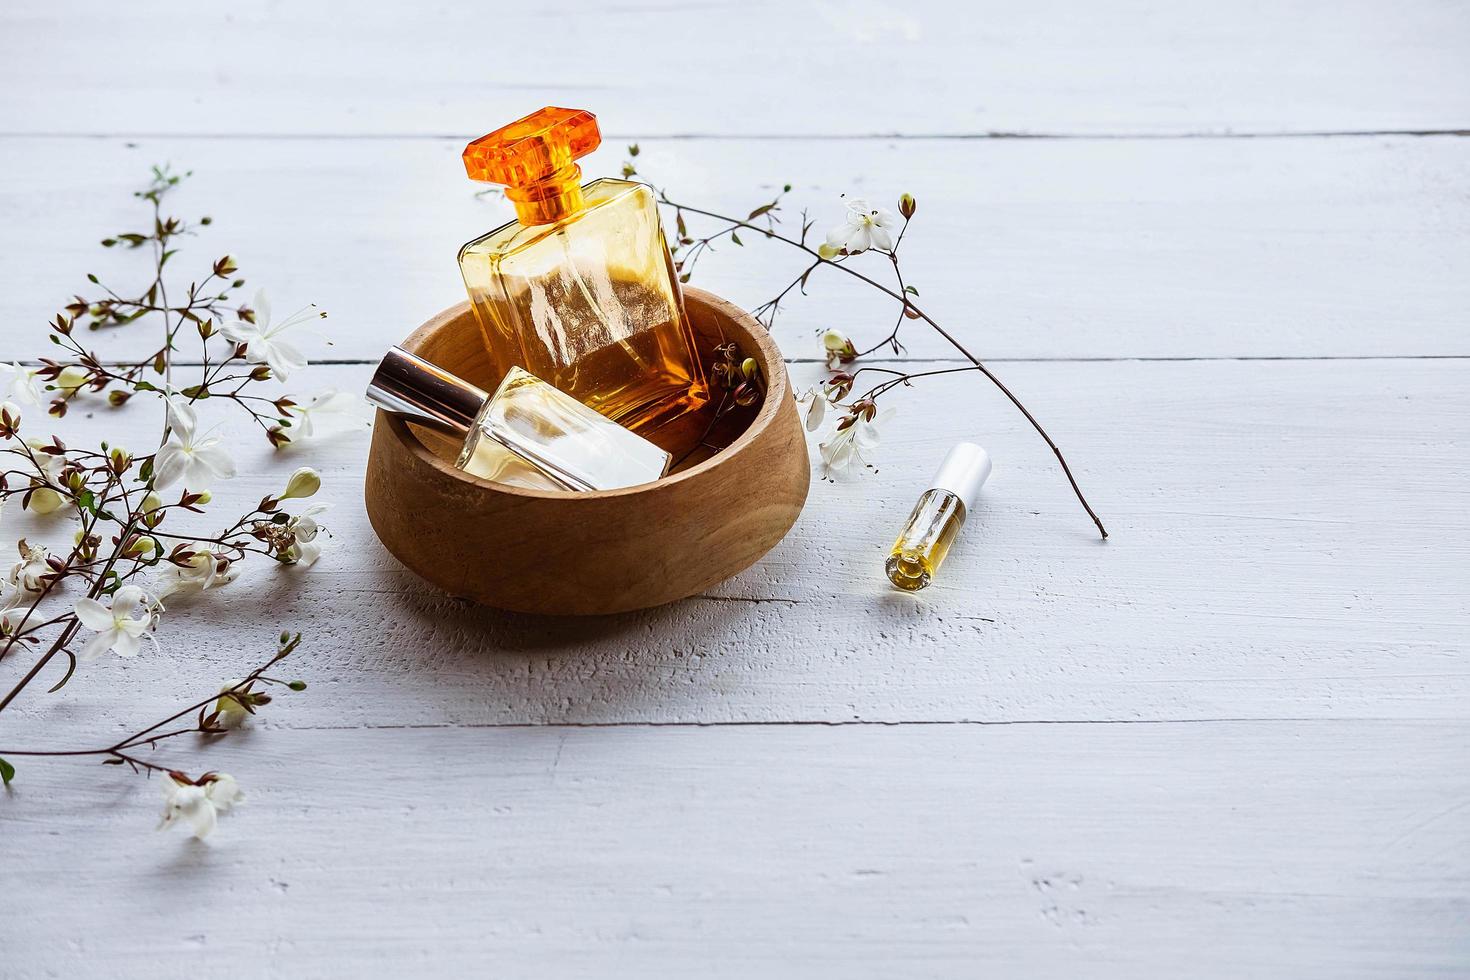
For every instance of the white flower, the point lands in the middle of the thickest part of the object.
(866, 227)
(851, 441)
(305, 550)
(13, 606)
(188, 456)
(203, 570)
(48, 465)
(19, 381)
(28, 574)
(814, 404)
(117, 628)
(303, 483)
(837, 347)
(45, 499)
(200, 805)
(263, 341)
(330, 411)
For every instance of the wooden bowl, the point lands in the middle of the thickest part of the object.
(541, 551)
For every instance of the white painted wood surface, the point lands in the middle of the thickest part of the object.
(765, 68)
(1228, 742)
(1202, 850)
(1177, 248)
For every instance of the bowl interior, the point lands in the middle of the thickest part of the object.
(452, 340)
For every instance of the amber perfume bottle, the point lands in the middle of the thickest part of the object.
(580, 290)
(526, 434)
(936, 520)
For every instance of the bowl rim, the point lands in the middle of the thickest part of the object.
(777, 387)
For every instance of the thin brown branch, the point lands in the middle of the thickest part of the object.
(949, 338)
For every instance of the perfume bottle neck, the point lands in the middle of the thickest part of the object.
(552, 199)
(425, 393)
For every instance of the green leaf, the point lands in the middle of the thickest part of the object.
(7, 771)
(87, 500)
(736, 239)
(911, 289)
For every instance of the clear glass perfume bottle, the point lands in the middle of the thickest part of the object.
(580, 289)
(527, 434)
(936, 520)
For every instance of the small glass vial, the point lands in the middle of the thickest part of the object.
(937, 518)
(527, 434)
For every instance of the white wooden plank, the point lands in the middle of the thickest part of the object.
(1288, 541)
(1332, 849)
(750, 68)
(1195, 248)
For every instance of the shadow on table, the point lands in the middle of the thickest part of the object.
(385, 628)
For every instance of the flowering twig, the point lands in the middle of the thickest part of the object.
(129, 552)
(867, 229)
(213, 718)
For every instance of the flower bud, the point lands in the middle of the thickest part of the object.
(231, 707)
(71, 378)
(9, 420)
(828, 252)
(141, 547)
(204, 497)
(907, 205)
(303, 483)
(44, 500)
(838, 347)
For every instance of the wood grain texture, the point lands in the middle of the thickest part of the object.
(1310, 850)
(1288, 541)
(758, 68)
(554, 553)
(1190, 248)
(1031, 769)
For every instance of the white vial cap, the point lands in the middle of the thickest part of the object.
(963, 472)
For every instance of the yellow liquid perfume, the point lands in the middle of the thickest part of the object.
(527, 434)
(580, 290)
(936, 520)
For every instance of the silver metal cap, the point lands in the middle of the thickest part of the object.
(424, 393)
(963, 472)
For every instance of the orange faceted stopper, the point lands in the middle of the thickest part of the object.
(539, 147)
